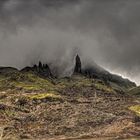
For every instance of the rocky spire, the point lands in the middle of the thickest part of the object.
(40, 65)
(40, 69)
(78, 65)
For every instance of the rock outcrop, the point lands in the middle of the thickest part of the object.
(40, 69)
(97, 72)
(78, 65)
(92, 71)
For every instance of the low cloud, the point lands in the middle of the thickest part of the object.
(53, 31)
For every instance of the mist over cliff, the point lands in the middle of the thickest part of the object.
(54, 31)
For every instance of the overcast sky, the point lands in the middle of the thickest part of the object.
(103, 31)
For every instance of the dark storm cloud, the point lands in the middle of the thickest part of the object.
(104, 31)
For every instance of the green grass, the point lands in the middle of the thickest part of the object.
(104, 88)
(135, 109)
(26, 81)
(49, 96)
(79, 81)
(30, 82)
(134, 91)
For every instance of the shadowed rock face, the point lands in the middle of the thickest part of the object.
(78, 65)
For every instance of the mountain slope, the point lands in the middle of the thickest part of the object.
(97, 72)
(94, 72)
(113, 80)
(134, 91)
(36, 105)
(32, 107)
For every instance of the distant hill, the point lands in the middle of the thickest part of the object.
(112, 79)
(97, 72)
(4, 70)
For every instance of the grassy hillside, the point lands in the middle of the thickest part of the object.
(134, 91)
(34, 107)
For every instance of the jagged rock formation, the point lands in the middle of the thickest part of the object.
(78, 65)
(93, 71)
(40, 69)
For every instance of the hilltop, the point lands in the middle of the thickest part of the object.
(35, 104)
(91, 72)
